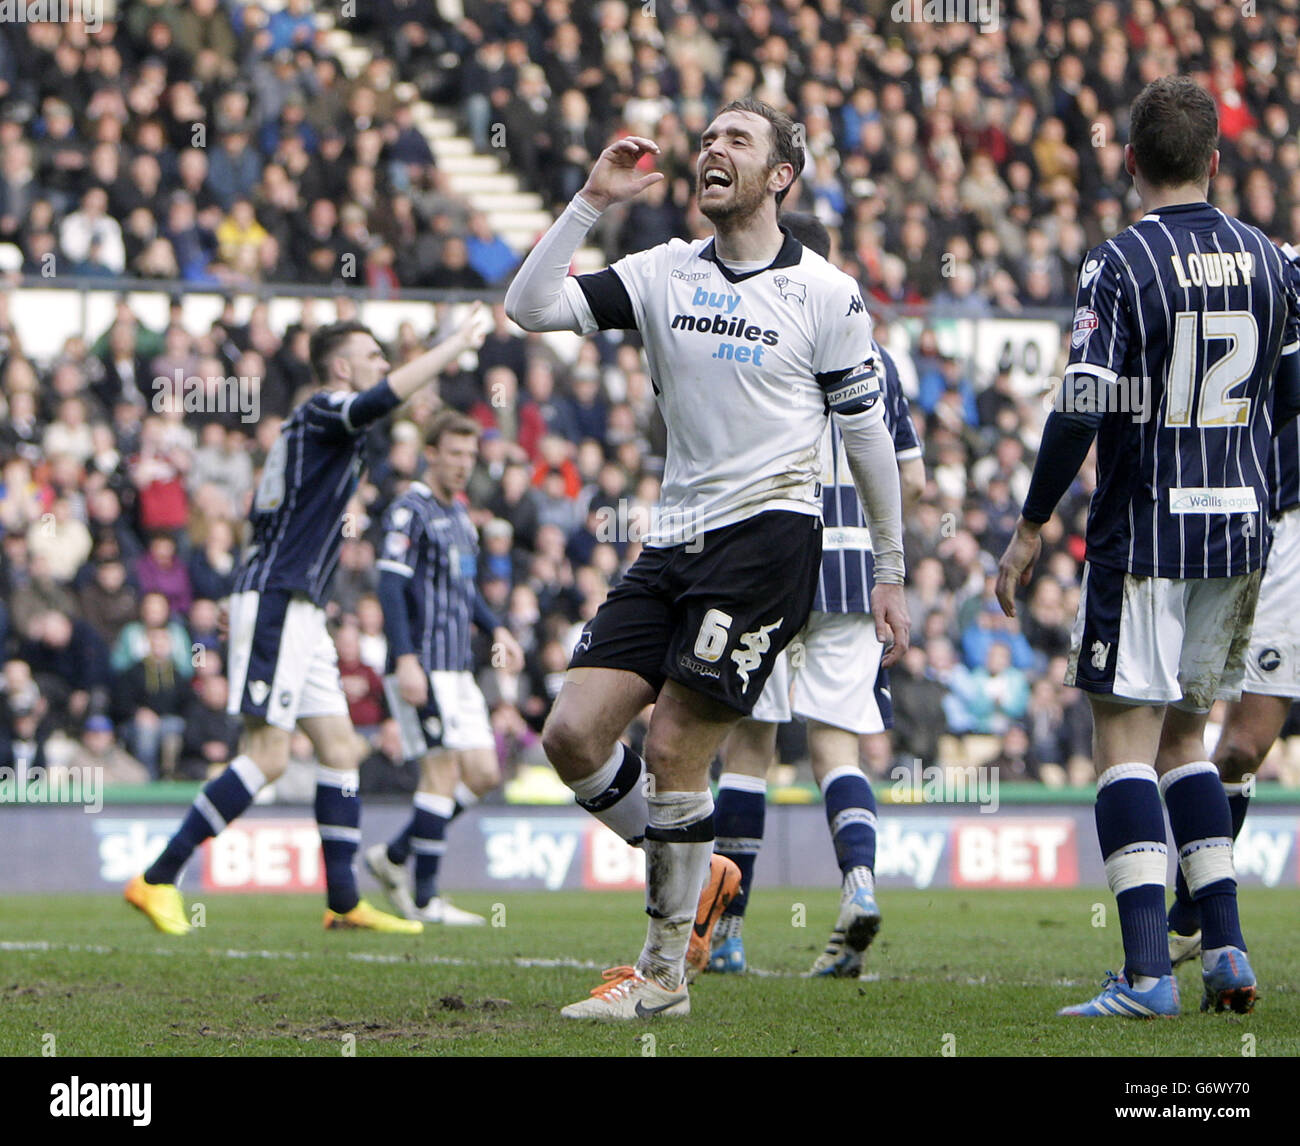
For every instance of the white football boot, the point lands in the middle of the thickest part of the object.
(627, 994)
(439, 910)
(393, 878)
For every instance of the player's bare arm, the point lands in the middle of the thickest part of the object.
(1017, 563)
(468, 335)
(512, 653)
(412, 681)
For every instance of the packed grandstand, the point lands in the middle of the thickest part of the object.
(296, 164)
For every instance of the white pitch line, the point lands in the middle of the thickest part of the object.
(522, 961)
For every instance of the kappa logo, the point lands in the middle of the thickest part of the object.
(690, 276)
(584, 642)
(401, 515)
(259, 690)
(1100, 655)
(855, 306)
(756, 644)
(690, 664)
(1270, 660)
(789, 288)
(1091, 269)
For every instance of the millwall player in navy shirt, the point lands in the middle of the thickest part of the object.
(751, 342)
(1272, 680)
(282, 664)
(839, 690)
(1193, 314)
(430, 596)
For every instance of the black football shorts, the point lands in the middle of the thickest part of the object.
(713, 613)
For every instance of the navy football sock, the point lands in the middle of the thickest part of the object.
(851, 815)
(1131, 832)
(399, 847)
(222, 799)
(428, 841)
(1202, 822)
(338, 815)
(738, 817)
(1185, 915)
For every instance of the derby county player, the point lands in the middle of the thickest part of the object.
(1272, 677)
(1197, 308)
(282, 662)
(430, 597)
(751, 341)
(839, 690)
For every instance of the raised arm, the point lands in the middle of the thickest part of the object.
(543, 296)
(419, 372)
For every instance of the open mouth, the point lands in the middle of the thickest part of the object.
(715, 177)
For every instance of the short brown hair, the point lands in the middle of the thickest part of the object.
(1174, 129)
(450, 422)
(785, 148)
(326, 340)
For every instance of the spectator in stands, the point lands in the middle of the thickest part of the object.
(361, 683)
(91, 238)
(193, 244)
(487, 252)
(60, 541)
(98, 749)
(211, 565)
(161, 571)
(133, 641)
(211, 736)
(386, 771)
(999, 693)
(148, 703)
(452, 271)
(109, 602)
(69, 663)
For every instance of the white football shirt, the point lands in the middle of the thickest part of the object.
(746, 368)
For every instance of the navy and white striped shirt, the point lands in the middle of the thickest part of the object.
(1285, 474)
(848, 568)
(308, 479)
(434, 546)
(1188, 310)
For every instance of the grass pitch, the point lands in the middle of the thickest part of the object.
(974, 973)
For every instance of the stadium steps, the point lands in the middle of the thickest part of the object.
(519, 216)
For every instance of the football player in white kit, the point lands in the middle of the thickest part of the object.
(838, 689)
(752, 341)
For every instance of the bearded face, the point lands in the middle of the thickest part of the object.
(734, 167)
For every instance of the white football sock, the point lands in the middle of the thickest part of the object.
(679, 847)
(616, 794)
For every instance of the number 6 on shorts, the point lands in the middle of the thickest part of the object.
(711, 641)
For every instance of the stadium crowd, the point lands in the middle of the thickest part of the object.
(222, 146)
